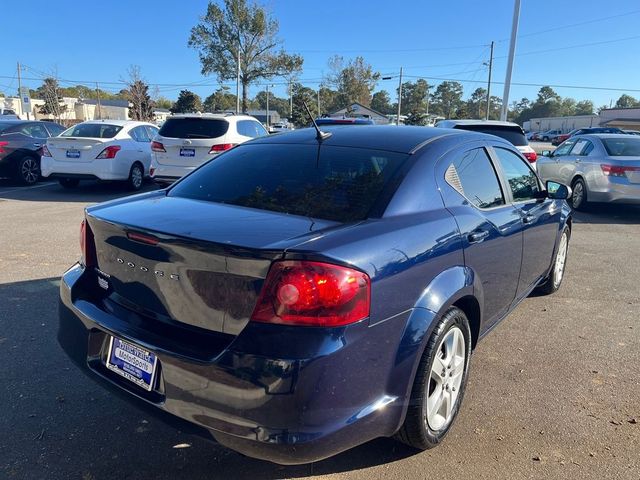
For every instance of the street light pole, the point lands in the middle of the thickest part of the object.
(489, 83)
(399, 98)
(512, 52)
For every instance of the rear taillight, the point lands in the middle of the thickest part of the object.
(157, 147)
(2, 145)
(45, 151)
(109, 152)
(87, 245)
(531, 156)
(617, 170)
(313, 294)
(221, 147)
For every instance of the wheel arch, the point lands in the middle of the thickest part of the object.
(455, 287)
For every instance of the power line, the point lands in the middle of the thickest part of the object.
(571, 25)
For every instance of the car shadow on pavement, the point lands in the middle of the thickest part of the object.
(608, 213)
(60, 424)
(86, 192)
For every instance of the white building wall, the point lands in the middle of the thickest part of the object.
(566, 124)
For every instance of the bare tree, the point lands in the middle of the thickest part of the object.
(141, 106)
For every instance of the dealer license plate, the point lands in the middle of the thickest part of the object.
(132, 362)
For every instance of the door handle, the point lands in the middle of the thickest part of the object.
(37, 145)
(578, 160)
(527, 218)
(477, 236)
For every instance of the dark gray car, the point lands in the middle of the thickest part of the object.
(21, 147)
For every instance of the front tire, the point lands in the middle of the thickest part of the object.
(136, 177)
(28, 170)
(579, 197)
(554, 280)
(439, 384)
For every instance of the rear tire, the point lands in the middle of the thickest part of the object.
(69, 182)
(579, 197)
(136, 177)
(440, 382)
(28, 170)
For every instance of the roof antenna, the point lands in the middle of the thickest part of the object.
(320, 135)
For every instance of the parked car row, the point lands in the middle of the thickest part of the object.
(556, 136)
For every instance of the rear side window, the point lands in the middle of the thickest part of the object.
(55, 129)
(194, 128)
(513, 134)
(522, 181)
(473, 176)
(92, 130)
(250, 128)
(331, 183)
(140, 134)
(582, 147)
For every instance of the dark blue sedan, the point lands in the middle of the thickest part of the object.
(302, 294)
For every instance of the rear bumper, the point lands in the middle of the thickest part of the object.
(334, 388)
(614, 191)
(170, 173)
(108, 169)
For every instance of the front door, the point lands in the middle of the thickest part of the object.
(540, 217)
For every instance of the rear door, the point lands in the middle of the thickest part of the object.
(540, 216)
(491, 227)
(188, 140)
(142, 145)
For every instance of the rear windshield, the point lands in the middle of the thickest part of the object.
(194, 128)
(622, 147)
(335, 183)
(510, 134)
(92, 130)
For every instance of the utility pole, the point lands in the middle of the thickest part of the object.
(268, 107)
(319, 101)
(489, 83)
(399, 98)
(290, 98)
(512, 52)
(20, 90)
(99, 115)
(238, 81)
(427, 112)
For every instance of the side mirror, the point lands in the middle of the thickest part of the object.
(557, 191)
(546, 153)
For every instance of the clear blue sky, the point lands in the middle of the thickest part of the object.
(97, 41)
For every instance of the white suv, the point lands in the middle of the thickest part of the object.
(187, 141)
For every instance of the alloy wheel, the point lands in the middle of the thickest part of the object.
(561, 259)
(136, 176)
(447, 372)
(578, 194)
(30, 171)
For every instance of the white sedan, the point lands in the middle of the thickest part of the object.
(100, 150)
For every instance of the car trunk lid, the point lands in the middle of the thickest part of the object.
(76, 149)
(189, 261)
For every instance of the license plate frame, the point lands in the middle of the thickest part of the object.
(73, 153)
(187, 152)
(119, 360)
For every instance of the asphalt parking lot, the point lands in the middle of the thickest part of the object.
(553, 391)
